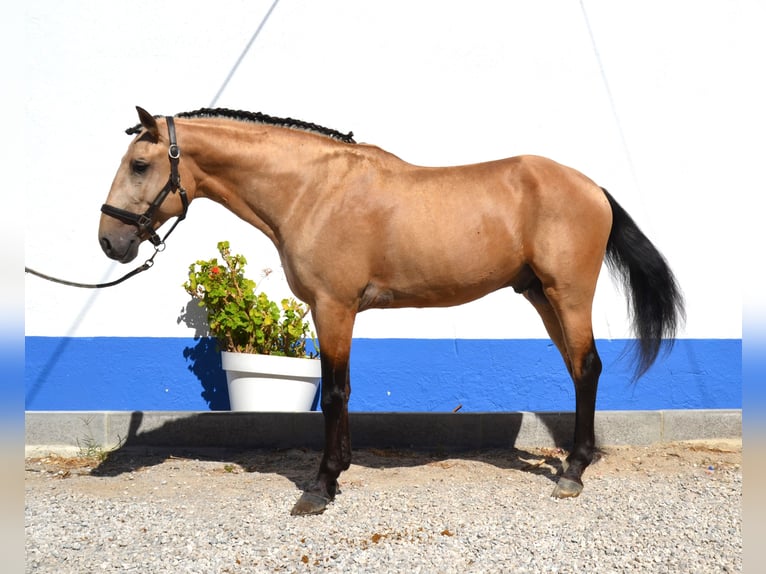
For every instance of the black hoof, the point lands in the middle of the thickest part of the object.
(309, 504)
(567, 488)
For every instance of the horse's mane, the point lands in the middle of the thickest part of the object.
(259, 118)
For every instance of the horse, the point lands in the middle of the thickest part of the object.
(358, 228)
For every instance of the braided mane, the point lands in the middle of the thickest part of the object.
(259, 118)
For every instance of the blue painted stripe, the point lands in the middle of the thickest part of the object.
(410, 375)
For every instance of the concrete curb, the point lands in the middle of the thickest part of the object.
(72, 432)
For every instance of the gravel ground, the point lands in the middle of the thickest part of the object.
(667, 508)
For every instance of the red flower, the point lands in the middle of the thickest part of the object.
(215, 270)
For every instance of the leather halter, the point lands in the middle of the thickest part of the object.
(144, 221)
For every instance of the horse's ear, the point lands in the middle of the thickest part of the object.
(148, 121)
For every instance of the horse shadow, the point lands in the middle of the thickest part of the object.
(248, 441)
(381, 441)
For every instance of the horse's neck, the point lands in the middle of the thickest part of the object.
(256, 171)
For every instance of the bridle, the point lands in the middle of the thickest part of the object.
(144, 221)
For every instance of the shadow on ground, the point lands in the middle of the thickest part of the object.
(293, 450)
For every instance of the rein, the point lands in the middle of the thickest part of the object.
(142, 221)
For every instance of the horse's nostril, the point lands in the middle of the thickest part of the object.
(105, 245)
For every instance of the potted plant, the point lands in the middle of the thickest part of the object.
(262, 343)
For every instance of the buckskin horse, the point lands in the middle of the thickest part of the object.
(358, 228)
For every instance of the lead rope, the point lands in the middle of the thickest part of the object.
(140, 269)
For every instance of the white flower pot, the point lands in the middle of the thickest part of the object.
(270, 383)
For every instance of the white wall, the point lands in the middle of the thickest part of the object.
(660, 102)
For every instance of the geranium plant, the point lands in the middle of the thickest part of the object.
(242, 320)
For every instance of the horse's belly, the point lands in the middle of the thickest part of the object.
(442, 266)
(441, 286)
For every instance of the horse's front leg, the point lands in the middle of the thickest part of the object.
(334, 331)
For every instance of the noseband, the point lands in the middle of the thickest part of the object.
(144, 221)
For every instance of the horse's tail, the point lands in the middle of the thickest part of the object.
(655, 302)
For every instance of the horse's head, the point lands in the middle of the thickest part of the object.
(145, 193)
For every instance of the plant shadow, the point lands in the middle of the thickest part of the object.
(205, 358)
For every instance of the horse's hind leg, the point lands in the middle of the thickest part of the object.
(334, 325)
(569, 326)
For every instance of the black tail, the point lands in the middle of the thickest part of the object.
(655, 302)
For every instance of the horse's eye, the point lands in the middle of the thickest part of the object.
(139, 167)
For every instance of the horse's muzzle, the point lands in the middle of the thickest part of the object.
(123, 250)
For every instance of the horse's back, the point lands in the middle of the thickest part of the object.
(518, 202)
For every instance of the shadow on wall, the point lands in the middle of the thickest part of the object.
(205, 363)
(205, 358)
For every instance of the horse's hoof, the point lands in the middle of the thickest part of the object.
(309, 504)
(566, 488)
